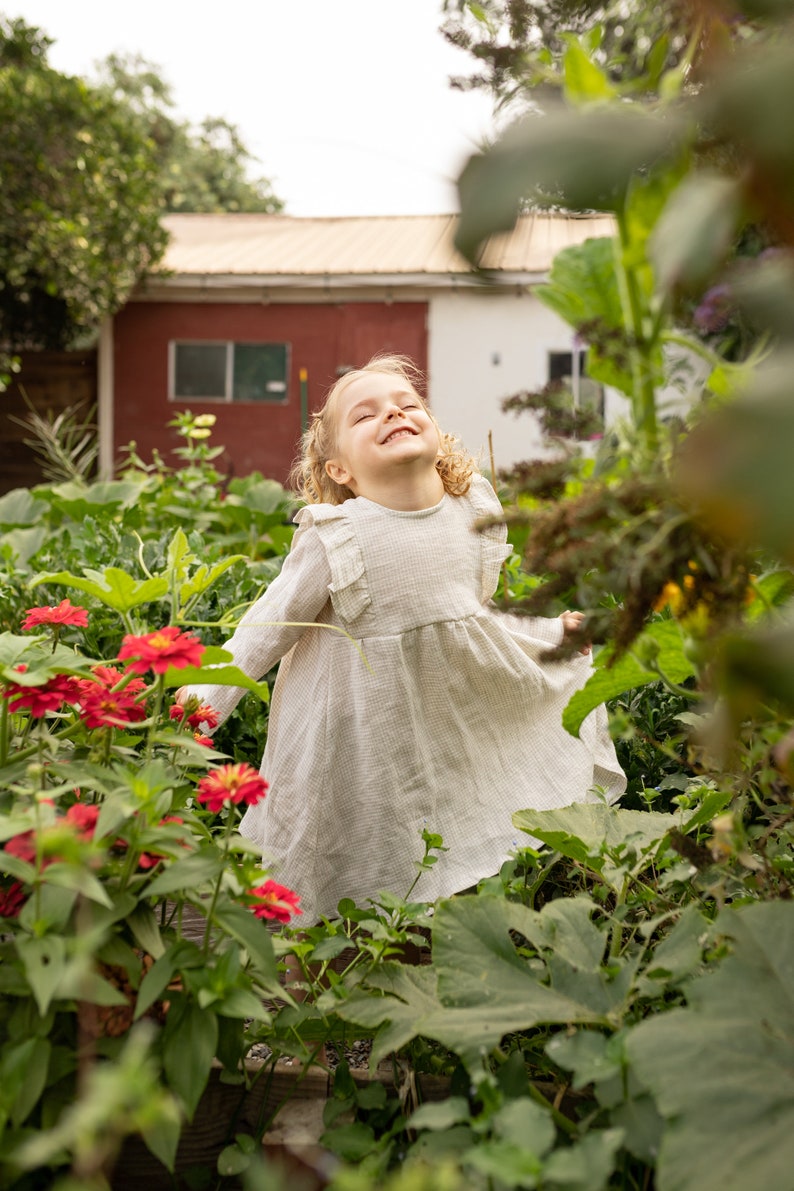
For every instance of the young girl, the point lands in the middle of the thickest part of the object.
(454, 721)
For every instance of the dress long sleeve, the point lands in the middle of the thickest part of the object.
(277, 620)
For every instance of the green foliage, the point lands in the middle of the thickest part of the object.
(80, 206)
(203, 169)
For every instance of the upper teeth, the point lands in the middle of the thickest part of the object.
(397, 433)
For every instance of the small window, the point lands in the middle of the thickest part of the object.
(569, 370)
(229, 372)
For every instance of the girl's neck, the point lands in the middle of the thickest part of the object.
(405, 493)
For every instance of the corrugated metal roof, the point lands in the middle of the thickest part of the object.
(243, 245)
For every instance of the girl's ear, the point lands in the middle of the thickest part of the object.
(339, 474)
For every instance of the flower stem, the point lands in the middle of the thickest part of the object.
(154, 719)
(216, 891)
(4, 732)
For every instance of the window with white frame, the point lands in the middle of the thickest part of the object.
(212, 370)
(569, 369)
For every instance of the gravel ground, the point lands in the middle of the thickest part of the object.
(356, 1055)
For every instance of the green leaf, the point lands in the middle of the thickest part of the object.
(524, 1123)
(581, 160)
(735, 466)
(179, 555)
(587, 1164)
(114, 588)
(509, 1164)
(253, 935)
(696, 230)
(146, 931)
(204, 577)
(351, 1142)
(232, 1160)
(583, 289)
(214, 674)
(584, 82)
(80, 501)
(21, 544)
(440, 1115)
(190, 1038)
(78, 879)
(583, 831)
(155, 982)
(586, 1054)
(20, 507)
(483, 989)
(193, 872)
(44, 961)
(722, 1070)
(161, 1136)
(628, 673)
(37, 1059)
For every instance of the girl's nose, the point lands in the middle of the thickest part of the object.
(395, 411)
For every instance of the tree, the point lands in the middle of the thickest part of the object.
(201, 169)
(80, 203)
(519, 45)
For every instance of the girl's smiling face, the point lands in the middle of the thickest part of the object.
(382, 429)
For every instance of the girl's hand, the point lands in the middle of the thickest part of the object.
(570, 625)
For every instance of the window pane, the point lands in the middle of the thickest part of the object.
(200, 370)
(260, 372)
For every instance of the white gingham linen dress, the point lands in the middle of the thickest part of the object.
(453, 724)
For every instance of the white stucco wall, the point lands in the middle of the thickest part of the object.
(484, 347)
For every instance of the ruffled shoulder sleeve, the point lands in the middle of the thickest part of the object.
(348, 589)
(493, 540)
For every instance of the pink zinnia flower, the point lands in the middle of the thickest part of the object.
(38, 700)
(203, 714)
(12, 899)
(275, 901)
(161, 649)
(64, 613)
(102, 707)
(231, 783)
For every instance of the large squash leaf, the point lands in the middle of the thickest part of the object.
(722, 1070)
(480, 988)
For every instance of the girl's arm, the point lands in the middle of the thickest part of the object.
(272, 625)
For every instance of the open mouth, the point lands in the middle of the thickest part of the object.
(404, 430)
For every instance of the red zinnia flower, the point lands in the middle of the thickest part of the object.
(102, 707)
(22, 846)
(109, 676)
(61, 614)
(205, 740)
(275, 901)
(203, 714)
(41, 699)
(12, 899)
(161, 649)
(83, 816)
(231, 783)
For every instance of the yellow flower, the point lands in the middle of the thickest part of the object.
(205, 420)
(194, 433)
(671, 596)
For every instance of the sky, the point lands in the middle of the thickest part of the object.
(345, 103)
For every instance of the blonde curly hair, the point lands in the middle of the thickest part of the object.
(310, 480)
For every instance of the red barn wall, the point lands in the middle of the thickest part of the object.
(257, 436)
